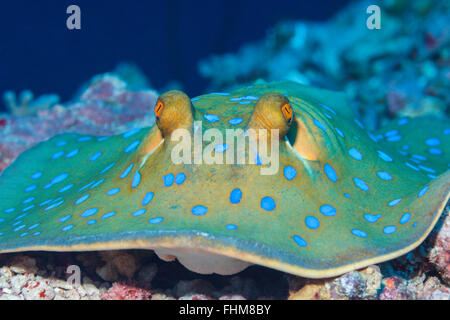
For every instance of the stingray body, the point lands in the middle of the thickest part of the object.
(341, 199)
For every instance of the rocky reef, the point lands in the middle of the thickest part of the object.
(402, 69)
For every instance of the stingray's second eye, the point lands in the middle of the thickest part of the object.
(287, 113)
(159, 108)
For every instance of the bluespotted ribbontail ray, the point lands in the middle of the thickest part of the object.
(343, 198)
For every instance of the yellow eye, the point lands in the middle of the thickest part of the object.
(287, 113)
(158, 109)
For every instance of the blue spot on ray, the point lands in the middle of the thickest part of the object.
(329, 109)
(132, 146)
(299, 241)
(59, 178)
(109, 215)
(19, 228)
(57, 155)
(86, 186)
(136, 179)
(391, 133)
(89, 212)
(127, 171)
(156, 220)
(384, 156)
(433, 142)
(319, 124)
(312, 222)
(412, 166)
(328, 210)
(289, 172)
(389, 229)
(72, 153)
(383, 175)
(422, 192)
(95, 156)
(169, 179)
(68, 187)
(418, 157)
(54, 205)
(34, 226)
(355, 154)
(405, 218)
(236, 196)
(30, 188)
(372, 217)
(67, 228)
(211, 118)
(180, 178)
(36, 175)
(28, 208)
(427, 169)
(82, 199)
(361, 184)
(64, 219)
(113, 191)
(339, 132)
(107, 168)
(359, 233)
(139, 212)
(235, 121)
(231, 227)
(394, 202)
(199, 210)
(97, 183)
(131, 132)
(220, 93)
(147, 198)
(27, 200)
(45, 202)
(394, 138)
(268, 204)
(435, 151)
(330, 172)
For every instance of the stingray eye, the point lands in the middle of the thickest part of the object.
(287, 113)
(159, 108)
(173, 111)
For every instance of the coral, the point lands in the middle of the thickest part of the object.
(395, 288)
(105, 107)
(126, 291)
(432, 289)
(362, 284)
(26, 105)
(439, 241)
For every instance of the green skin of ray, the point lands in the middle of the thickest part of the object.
(267, 233)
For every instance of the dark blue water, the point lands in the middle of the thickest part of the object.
(165, 38)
